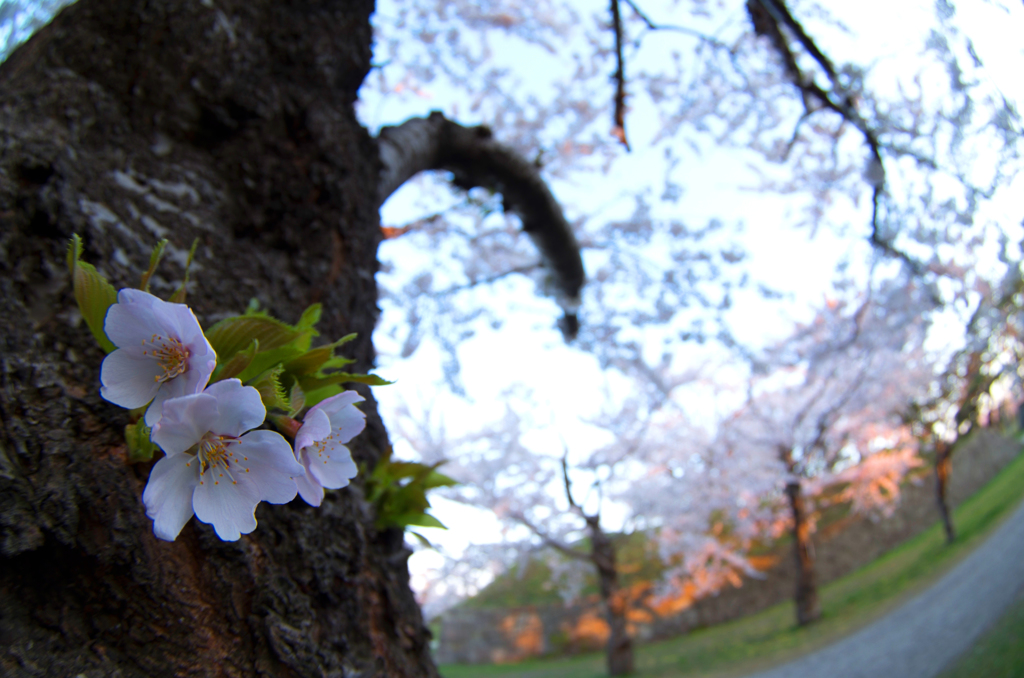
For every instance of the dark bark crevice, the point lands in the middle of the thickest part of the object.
(475, 159)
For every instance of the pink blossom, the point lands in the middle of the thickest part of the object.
(320, 445)
(162, 353)
(211, 468)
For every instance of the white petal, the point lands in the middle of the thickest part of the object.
(240, 407)
(331, 464)
(168, 494)
(347, 423)
(315, 426)
(229, 505)
(136, 318)
(155, 410)
(346, 420)
(184, 422)
(197, 376)
(337, 402)
(202, 357)
(186, 325)
(266, 458)
(175, 388)
(310, 490)
(130, 295)
(129, 381)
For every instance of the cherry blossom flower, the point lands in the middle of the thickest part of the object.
(211, 468)
(161, 353)
(320, 445)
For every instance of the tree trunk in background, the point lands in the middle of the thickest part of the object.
(943, 467)
(808, 608)
(231, 122)
(620, 645)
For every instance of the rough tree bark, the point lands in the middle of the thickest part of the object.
(620, 645)
(808, 607)
(130, 120)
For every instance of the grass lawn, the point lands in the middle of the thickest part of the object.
(771, 637)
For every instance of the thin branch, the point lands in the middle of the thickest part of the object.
(568, 487)
(703, 37)
(880, 243)
(476, 159)
(550, 541)
(767, 15)
(483, 281)
(780, 10)
(619, 130)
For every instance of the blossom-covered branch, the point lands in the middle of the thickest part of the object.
(475, 158)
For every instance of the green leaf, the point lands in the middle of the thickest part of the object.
(407, 469)
(154, 259)
(422, 540)
(296, 400)
(310, 362)
(313, 383)
(408, 498)
(318, 395)
(271, 391)
(347, 338)
(310, 317)
(140, 447)
(179, 296)
(92, 292)
(235, 334)
(435, 479)
(237, 364)
(398, 492)
(264, 360)
(336, 362)
(419, 520)
(322, 357)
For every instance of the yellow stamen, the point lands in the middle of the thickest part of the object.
(213, 452)
(170, 353)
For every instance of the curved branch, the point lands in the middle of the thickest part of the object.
(476, 159)
(619, 130)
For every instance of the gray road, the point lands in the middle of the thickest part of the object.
(924, 636)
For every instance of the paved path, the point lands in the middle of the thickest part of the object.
(924, 636)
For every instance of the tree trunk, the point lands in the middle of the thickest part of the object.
(943, 467)
(231, 122)
(808, 608)
(620, 645)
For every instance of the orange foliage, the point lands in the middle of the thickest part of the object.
(681, 598)
(391, 232)
(526, 632)
(590, 630)
(763, 563)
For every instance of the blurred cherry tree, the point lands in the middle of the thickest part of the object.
(628, 107)
(718, 162)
